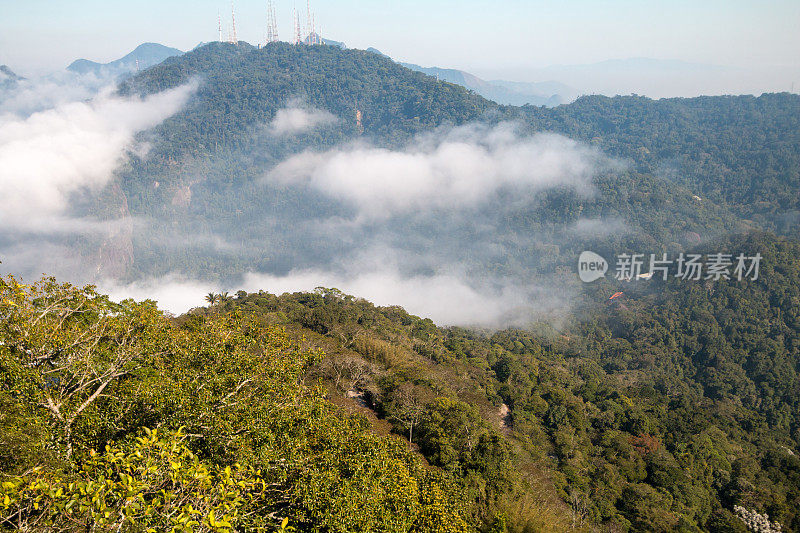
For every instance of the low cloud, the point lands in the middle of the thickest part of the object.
(173, 293)
(446, 298)
(28, 96)
(599, 227)
(424, 227)
(50, 155)
(296, 119)
(463, 168)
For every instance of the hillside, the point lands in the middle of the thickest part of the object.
(215, 154)
(738, 151)
(663, 411)
(202, 426)
(660, 412)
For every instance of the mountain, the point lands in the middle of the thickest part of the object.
(548, 94)
(144, 56)
(680, 171)
(644, 405)
(225, 131)
(655, 78)
(395, 101)
(7, 73)
(376, 51)
(564, 93)
(8, 77)
(753, 144)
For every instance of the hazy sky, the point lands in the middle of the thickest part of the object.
(479, 35)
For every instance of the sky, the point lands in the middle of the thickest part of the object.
(489, 38)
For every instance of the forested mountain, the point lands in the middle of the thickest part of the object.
(638, 405)
(251, 84)
(214, 154)
(672, 409)
(661, 412)
(739, 151)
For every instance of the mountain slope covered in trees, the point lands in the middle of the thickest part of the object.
(666, 410)
(739, 151)
(671, 407)
(658, 412)
(204, 172)
(115, 417)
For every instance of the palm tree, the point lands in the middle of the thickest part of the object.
(224, 297)
(211, 298)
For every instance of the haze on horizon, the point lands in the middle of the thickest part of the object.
(715, 47)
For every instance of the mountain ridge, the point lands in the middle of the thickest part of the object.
(143, 56)
(10, 73)
(549, 93)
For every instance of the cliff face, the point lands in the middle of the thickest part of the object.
(115, 256)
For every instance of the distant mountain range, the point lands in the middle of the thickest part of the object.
(655, 78)
(147, 55)
(7, 73)
(547, 93)
(8, 77)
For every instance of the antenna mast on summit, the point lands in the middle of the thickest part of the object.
(298, 38)
(272, 23)
(234, 39)
(219, 25)
(309, 26)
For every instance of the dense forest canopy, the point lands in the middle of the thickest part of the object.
(740, 151)
(668, 410)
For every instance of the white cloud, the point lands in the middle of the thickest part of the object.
(462, 168)
(173, 293)
(295, 119)
(77, 145)
(29, 96)
(599, 227)
(446, 298)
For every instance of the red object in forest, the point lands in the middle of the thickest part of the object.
(616, 295)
